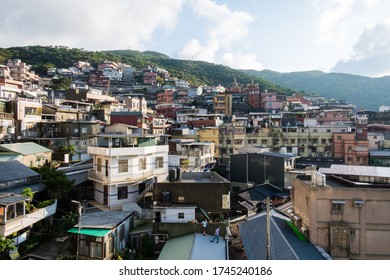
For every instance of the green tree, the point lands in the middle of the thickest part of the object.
(6, 244)
(28, 193)
(68, 149)
(56, 181)
(60, 83)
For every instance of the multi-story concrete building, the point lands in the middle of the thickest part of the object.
(20, 71)
(27, 113)
(344, 209)
(376, 141)
(190, 155)
(135, 104)
(125, 167)
(231, 138)
(7, 122)
(88, 95)
(211, 135)
(352, 150)
(10, 89)
(271, 102)
(165, 97)
(222, 103)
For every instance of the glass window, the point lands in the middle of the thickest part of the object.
(337, 207)
(122, 193)
(10, 212)
(142, 164)
(123, 165)
(2, 210)
(19, 209)
(99, 165)
(180, 215)
(159, 162)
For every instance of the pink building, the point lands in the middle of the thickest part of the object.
(270, 101)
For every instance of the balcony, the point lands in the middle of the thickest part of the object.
(126, 178)
(127, 151)
(27, 220)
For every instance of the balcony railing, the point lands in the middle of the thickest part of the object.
(27, 220)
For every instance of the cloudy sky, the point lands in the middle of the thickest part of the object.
(349, 36)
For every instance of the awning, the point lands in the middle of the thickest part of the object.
(338, 201)
(98, 232)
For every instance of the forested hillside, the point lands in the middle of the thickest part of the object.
(365, 92)
(196, 72)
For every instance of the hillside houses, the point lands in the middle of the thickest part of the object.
(150, 145)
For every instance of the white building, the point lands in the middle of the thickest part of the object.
(125, 167)
(189, 154)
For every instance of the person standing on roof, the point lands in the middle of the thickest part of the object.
(204, 226)
(216, 235)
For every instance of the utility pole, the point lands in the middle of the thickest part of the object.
(79, 226)
(268, 257)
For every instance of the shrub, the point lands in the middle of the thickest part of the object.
(45, 203)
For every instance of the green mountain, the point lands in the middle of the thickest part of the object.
(365, 92)
(196, 72)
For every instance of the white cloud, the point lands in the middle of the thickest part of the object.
(371, 55)
(223, 27)
(333, 18)
(195, 51)
(92, 24)
(226, 25)
(242, 61)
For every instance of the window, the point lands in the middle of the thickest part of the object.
(159, 162)
(142, 164)
(2, 210)
(84, 130)
(180, 215)
(123, 165)
(99, 165)
(337, 206)
(180, 199)
(11, 212)
(338, 137)
(122, 192)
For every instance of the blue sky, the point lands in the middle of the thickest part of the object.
(350, 36)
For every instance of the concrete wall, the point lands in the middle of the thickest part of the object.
(366, 229)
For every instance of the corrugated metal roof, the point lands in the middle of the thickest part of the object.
(8, 157)
(90, 231)
(371, 171)
(381, 153)
(193, 247)
(14, 170)
(285, 243)
(105, 219)
(12, 199)
(27, 148)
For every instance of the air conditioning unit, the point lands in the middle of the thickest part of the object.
(358, 203)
